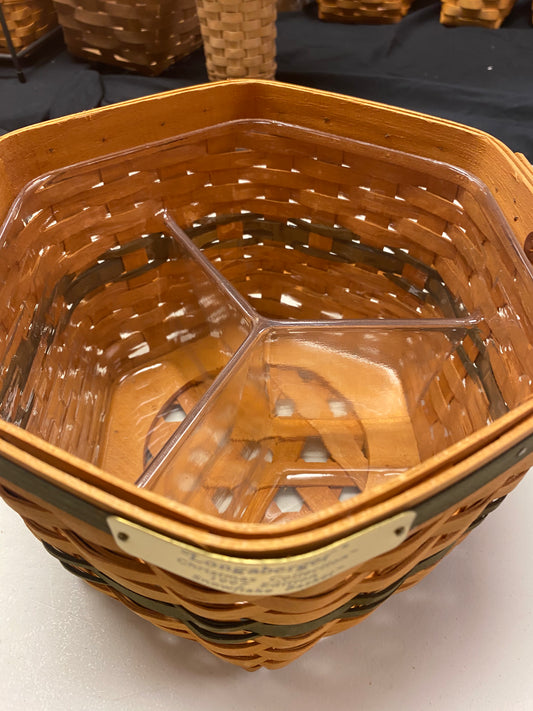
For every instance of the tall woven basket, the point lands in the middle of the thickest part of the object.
(266, 353)
(27, 22)
(145, 36)
(239, 38)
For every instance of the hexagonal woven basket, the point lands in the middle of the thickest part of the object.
(266, 353)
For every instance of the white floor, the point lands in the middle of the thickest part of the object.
(462, 639)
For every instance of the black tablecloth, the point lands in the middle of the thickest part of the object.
(477, 76)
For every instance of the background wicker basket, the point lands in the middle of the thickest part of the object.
(27, 21)
(92, 216)
(239, 38)
(145, 36)
(481, 13)
(364, 11)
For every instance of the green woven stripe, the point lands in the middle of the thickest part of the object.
(54, 495)
(456, 493)
(237, 632)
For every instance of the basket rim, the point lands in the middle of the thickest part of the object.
(391, 126)
(112, 496)
(252, 93)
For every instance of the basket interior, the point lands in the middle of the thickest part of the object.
(351, 311)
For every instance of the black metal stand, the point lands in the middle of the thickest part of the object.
(15, 56)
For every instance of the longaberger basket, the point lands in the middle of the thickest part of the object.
(266, 353)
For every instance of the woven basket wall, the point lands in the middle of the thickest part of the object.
(145, 36)
(27, 21)
(414, 239)
(239, 38)
(363, 11)
(480, 13)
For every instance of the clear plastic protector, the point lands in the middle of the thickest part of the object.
(260, 320)
(309, 416)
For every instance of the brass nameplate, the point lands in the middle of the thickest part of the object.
(250, 576)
